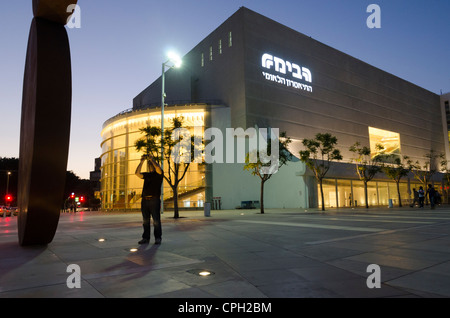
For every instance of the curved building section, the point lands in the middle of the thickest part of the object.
(120, 188)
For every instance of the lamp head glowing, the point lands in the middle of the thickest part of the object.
(175, 59)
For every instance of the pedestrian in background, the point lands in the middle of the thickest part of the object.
(431, 195)
(421, 196)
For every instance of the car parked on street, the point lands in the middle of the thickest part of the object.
(6, 211)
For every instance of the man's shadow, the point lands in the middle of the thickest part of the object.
(137, 263)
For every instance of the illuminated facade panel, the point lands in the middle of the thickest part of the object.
(120, 187)
(388, 141)
(344, 193)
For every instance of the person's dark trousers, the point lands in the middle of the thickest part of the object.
(432, 202)
(151, 208)
(421, 202)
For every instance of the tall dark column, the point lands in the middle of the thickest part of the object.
(45, 123)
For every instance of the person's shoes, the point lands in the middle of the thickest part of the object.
(158, 241)
(144, 241)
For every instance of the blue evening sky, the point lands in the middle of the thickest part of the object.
(120, 46)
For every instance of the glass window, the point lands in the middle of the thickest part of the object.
(372, 196)
(405, 193)
(359, 195)
(329, 193)
(210, 53)
(203, 60)
(230, 39)
(393, 193)
(106, 145)
(383, 193)
(121, 188)
(350, 193)
(390, 141)
(119, 141)
(220, 46)
(344, 193)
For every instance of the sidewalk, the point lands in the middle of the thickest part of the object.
(283, 253)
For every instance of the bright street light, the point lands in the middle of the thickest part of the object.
(175, 59)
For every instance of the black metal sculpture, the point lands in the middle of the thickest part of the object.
(45, 123)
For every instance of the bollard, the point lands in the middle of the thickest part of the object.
(207, 209)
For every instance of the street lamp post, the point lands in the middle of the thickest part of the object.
(175, 61)
(7, 182)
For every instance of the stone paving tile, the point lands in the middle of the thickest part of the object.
(266, 277)
(193, 292)
(327, 253)
(235, 288)
(407, 263)
(325, 272)
(136, 285)
(54, 291)
(357, 288)
(297, 289)
(281, 254)
(424, 281)
(360, 268)
(441, 269)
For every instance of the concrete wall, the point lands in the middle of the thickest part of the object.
(218, 80)
(285, 189)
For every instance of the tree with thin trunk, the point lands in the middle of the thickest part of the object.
(395, 168)
(319, 154)
(257, 163)
(179, 152)
(367, 166)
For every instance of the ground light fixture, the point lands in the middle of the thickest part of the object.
(204, 273)
(201, 272)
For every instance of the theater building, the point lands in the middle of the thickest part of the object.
(253, 72)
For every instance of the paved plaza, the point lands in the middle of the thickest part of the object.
(283, 253)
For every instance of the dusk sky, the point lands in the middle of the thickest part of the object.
(119, 49)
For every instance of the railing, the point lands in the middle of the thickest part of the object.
(187, 103)
(186, 190)
(180, 102)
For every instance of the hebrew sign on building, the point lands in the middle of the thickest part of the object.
(286, 72)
